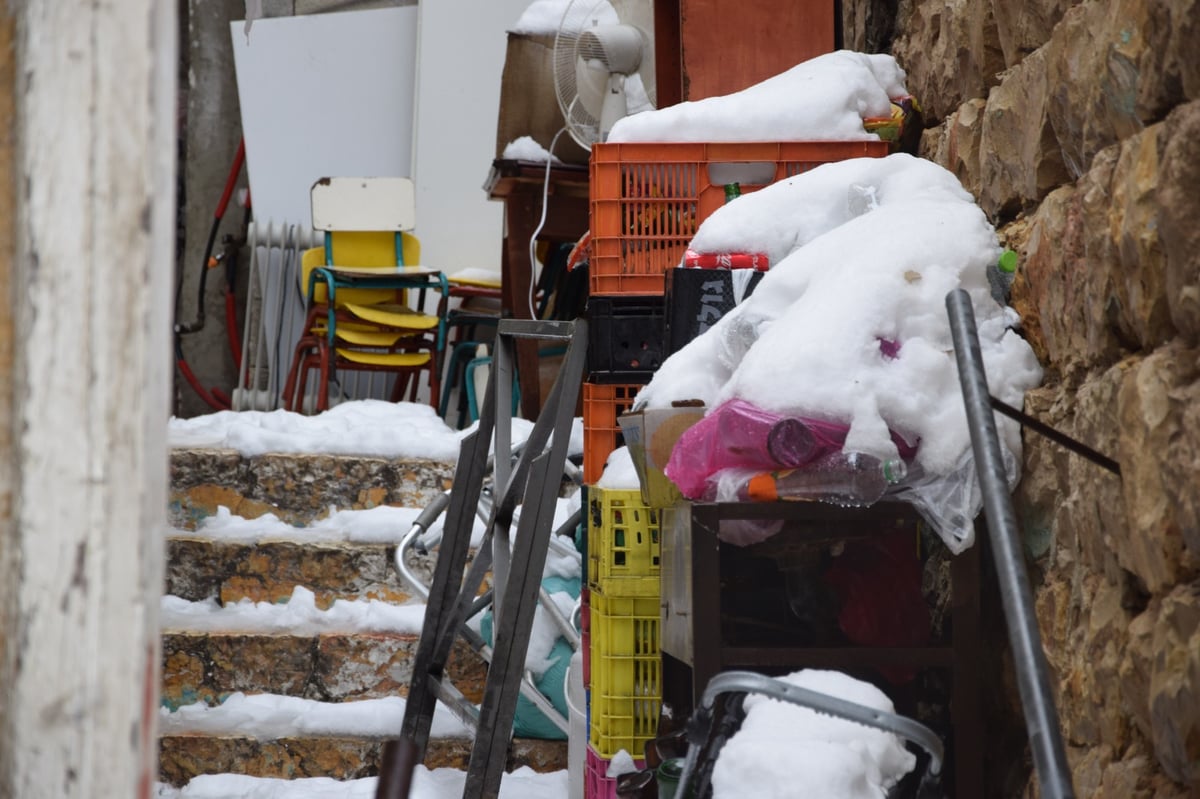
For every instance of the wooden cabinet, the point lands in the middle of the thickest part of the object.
(705, 48)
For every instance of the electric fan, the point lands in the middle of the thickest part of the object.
(603, 65)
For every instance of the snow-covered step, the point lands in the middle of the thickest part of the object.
(357, 455)
(435, 783)
(331, 666)
(269, 571)
(300, 487)
(351, 649)
(346, 554)
(286, 737)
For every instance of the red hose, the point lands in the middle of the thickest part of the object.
(231, 181)
(188, 375)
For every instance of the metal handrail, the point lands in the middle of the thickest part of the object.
(1033, 681)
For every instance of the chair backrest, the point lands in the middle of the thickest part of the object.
(363, 204)
(365, 221)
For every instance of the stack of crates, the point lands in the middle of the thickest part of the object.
(647, 201)
(624, 623)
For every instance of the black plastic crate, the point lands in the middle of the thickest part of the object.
(696, 299)
(625, 338)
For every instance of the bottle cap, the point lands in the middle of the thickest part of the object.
(1008, 261)
(894, 471)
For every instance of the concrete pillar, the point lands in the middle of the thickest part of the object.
(84, 390)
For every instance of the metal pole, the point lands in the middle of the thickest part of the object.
(1033, 681)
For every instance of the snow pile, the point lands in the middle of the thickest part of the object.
(370, 428)
(380, 525)
(619, 471)
(863, 252)
(781, 745)
(363, 427)
(526, 148)
(267, 717)
(540, 18)
(298, 616)
(824, 98)
(439, 783)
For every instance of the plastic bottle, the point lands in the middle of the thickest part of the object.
(850, 479)
(1000, 276)
(732, 191)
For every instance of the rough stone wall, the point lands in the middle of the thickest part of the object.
(1076, 125)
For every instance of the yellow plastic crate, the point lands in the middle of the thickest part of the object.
(626, 672)
(624, 551)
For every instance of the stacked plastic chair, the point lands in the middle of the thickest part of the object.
(361, 317)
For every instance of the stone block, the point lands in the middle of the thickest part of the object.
(1170, 73)
(1159, 406)
(328, 667)
(1179, 210)
(1020, 158)
(183, 757)
(950, 51)
(1175, 685)
(956, 144)
(1126, 227)
(297, 488)
(1116, 67)
(1055, 269)
(269, 571)
(1023, 26)
(1097, 276)
(1084, 629)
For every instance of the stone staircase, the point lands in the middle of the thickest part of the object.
(328, 666)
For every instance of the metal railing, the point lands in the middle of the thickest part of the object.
(1033, 681)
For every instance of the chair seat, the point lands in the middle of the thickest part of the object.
(393, 315)
(477, 278)
(369, 338)
(389, 359)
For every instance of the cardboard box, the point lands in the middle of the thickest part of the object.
(650, 436)
(528, 104)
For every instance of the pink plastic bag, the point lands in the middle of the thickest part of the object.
(740, 435)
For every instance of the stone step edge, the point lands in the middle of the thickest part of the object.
(336, 667)
(184, 756)
(296, 487)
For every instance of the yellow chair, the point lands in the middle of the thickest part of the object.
(359, 318)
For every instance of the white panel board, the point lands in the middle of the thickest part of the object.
(463, 44)
(324, 95)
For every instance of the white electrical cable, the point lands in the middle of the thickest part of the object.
(541, 223)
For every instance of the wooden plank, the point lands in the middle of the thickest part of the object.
(95, 221)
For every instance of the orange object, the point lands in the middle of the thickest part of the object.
(602, 404)
(761, 487)
(648, 199)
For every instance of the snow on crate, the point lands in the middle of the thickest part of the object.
(850, 324)
(822, 99)
(781, 745)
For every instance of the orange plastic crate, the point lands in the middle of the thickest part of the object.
(626, 693)
(602, 404)
(648, 199)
